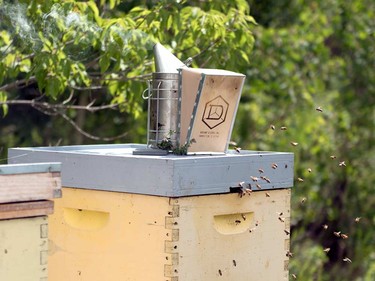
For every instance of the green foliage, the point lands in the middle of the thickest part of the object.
(100, 52)
(307, 55)
(321, 56)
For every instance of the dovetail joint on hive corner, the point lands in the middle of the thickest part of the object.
(171, 243)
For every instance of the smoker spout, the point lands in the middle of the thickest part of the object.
(165, 61)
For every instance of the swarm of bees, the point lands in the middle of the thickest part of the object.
(257, 179)
(303, 200)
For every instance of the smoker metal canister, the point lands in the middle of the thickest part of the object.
(163, 108)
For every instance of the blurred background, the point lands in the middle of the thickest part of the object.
(73, 73)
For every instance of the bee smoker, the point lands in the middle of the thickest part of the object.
(163, 100)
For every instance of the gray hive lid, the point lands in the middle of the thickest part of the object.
(115, 168)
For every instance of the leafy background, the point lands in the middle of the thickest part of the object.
(61, 61)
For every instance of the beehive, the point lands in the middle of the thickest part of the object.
(25, 191)
(127, 217)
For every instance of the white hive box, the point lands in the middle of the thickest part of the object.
(167, 218)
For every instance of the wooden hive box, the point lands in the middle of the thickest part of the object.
(167, 218)
(26, 191)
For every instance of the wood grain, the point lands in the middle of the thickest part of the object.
(29, 187)
(26, 209)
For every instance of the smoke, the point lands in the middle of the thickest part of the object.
(65, 24)
(14, 20)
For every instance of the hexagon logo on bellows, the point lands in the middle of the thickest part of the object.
(215, 112)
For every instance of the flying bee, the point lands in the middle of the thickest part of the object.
(243, 217)
(342, 164)
(261, 171)
(300, 179)
(303, 200)
(326, 250)
(237, 222)
(319, 109)
(357, 219)
(294, 276)
(234, 263)
(274, 166)
(294, 143)
(254, 178)
(279, 213)
(286, 232)
(258, 186)
(309, 170)
(289, 254)
(344, 236)
(337, 233)
(267, 194)
(220, 273)
(281, 219)
(333, 157)
(238, 149)
(283, 128)
(346, 259)
(325, 226)
(272, 127)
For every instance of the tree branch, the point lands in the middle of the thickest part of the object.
(55, 112)
(19, 84)
(88, 135)
(50, 106)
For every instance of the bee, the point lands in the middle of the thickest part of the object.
(266, 179)
(248, 191)
(261, 171)
(287, 232)
(344, 236)
(283, 128)
(303, 200)
(252, 229)
(333, 157)
(300, 179)
(254, 178)
(220, 273)
(326, 250)
(357, 219)
(294, 143)
(294, 276)
(256, 223)
(309, 170)
(342, 164)
(234, 263)
(258, 186)
(243, 217)
(325, 226)
(289, 254)
(267, 194)
(237, 222)
(337, 233)
(281, 219)
(319, 109)
(279, 213)
(238, 149)
(346, 259)
(274, 165)
(272, 127)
